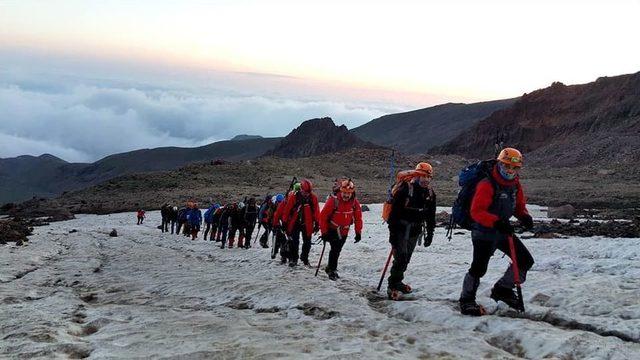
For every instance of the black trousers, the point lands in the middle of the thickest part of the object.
(484, 246)
(165, 225)
(248, 233)
(294, 244)
(211, 228)
(336, 243)
(403, 237)
(265, 235)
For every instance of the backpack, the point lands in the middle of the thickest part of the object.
(335, 205)
(468, 179)
(402, 177)
(208, 215)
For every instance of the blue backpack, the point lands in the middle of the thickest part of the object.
(468, 179)
(208, 215)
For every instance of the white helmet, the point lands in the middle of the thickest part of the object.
(240, 205)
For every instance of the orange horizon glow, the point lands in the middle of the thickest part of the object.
(461, 51)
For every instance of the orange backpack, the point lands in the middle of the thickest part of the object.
(401, 178)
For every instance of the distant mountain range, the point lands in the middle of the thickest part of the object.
(594, 125)
(418, 131)
(46, 175)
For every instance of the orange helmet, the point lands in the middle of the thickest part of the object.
(425, 168)
(510, 156)
(347, 187)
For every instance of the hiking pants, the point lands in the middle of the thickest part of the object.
(180, 223)
(194, 232)
(403, 238)
(294, 244)
(173, 225)
(213, 231)
(281, 244)
(248, 233)
(186, 229)
(232, 236)
(265, 236)
(223, 229)
(140, 218)
(165, 225)
(336, 244)
(484, 246)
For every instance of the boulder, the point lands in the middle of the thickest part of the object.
(365, 208)
(561, 212)
(113, 233)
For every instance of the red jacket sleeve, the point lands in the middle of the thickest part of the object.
(480, 204)
(521, 203)
(326, 212)
(357, 216)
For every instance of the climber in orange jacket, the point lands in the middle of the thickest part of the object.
(339, 212)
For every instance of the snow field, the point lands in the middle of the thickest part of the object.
(148, 294)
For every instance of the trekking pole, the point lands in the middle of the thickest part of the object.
(320, 260)
(384, 271)
(257, 233)
(516, 271)
(451, 227)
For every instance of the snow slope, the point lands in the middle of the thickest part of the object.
(147, 294)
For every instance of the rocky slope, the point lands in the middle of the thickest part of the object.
(566, 126)
(419, 130)
(317, 137)
(232, 181)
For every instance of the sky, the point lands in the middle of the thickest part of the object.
(85, 79)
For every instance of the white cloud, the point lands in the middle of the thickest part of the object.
(83, 120)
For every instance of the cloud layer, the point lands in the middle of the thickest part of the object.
(82, 120)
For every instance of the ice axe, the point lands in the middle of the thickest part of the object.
(384, 271)
(516, 271)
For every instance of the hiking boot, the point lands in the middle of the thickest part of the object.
(470, 307)
(264, 245)
(333, 276)
(507, 296)
(404, 288)
(306, 262)
(394, 294)
(293, 264)
(282, 260)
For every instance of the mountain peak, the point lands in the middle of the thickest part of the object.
(242, 137)
(316, 137)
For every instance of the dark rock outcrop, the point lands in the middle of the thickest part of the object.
(565, 126)
(317, 137)
(14, 230)
(49, 209)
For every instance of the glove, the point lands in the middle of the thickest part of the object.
(503, 226)
(527, 222)
(357, 238)
(326, 237)
(428, 239)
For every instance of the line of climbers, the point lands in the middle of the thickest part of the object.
(491, 193)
